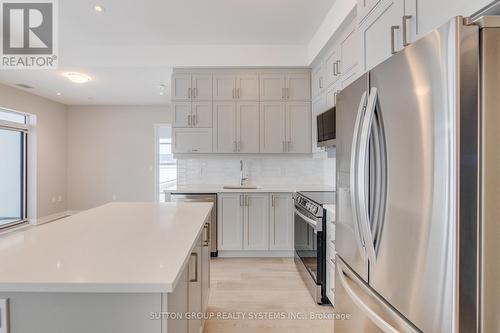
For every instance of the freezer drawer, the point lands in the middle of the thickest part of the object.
(364, 310)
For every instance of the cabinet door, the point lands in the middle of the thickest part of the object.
(331, 95)
(205, 271)
(224, 87)
(317, 80)
(248, 127)
(225, 123)
(191, 140)
(298, 86)
(376, 32)
(318, 107)
(365, 6)
(201, 114)
(181, 85)
(281, 222)
(272, 127)
(256, 222)
(247, 86)
(413, 21)
(331, 65)
(202, 87)
(195, 289)
(181, 114)
(230, 221)
(298, 127)
(272, 86)
(350, 49)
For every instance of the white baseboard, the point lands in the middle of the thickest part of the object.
(52, 217)
(255, 254)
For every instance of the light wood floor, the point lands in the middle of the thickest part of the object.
(262, 285)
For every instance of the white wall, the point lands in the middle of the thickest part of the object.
(111, 153)
(50, 147)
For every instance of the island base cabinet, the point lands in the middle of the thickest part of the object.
(83, 312)
(47, 312)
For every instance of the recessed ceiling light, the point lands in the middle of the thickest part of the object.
(99, 8)
(77, 77)
(58, 94)
(162, 93)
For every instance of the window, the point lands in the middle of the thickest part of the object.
(167, 165)
(13, 162)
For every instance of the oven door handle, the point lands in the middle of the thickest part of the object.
(308, 220)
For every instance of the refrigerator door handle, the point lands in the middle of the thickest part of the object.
(353, 176)
(361, 175)
(374, 317)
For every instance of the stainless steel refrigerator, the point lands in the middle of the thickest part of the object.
(418, 187)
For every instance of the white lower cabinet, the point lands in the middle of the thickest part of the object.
(260, 222)
(256, 222)
(191, 140)
(281, 222)
(195, 302)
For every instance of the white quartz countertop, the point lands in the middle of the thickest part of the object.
(219, 188)
(117, 248)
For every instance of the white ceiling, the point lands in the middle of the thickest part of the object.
(131, 48)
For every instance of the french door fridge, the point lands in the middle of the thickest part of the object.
(415, 187)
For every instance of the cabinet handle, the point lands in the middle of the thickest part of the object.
(393, 39)
(206, 229)
(239, 146)
(189, 92)
(335, 97)
(189, 120)
(239, 93)
(195, 120)
(321, 83)
(288, 145)
(406, 19)
(233, 94)
(235, 149)
(284, 149)
(195, 255)
(338, 67)
(288, 93)
(247, 200)
(335, 64)
(272, 201)
(282, 93)
(241, 200)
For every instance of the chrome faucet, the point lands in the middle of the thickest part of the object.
(242, 179)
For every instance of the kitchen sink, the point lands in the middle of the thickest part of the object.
(240, 187)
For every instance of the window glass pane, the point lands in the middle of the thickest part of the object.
(11, 171)
(12, 116)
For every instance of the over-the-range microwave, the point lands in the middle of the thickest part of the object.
(326, 123)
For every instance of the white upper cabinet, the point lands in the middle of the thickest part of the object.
(201, 114)
(224, 87)
(381, 32)
(272, 127)
(298, 86)
(191, 140)
(272, 86)
(181, 114)
(350, 50)
(201, 87)
(256, 222)
(247, 87)
(331, 95)
(181, 86)
(317, 80)
(191, 86)
(298, 127)
(281, 222)
(332, 61)
(225, 140)
(365, 6)
(248, 128)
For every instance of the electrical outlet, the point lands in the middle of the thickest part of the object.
(4, 316)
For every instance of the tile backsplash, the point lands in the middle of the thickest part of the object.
(262, 171)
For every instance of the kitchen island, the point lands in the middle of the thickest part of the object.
(116, 268)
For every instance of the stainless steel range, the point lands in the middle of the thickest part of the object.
(310, 240)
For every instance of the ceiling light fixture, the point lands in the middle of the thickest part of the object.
(162, 93)
(77, 77)
(58, 94)
(99, 8)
